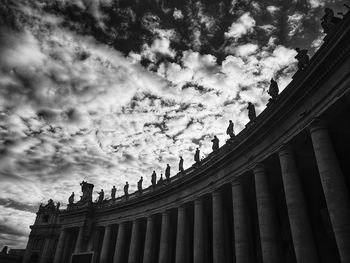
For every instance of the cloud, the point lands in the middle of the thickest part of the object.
(245, 24)
(295, 23)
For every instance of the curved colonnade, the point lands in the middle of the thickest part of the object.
(278, 193)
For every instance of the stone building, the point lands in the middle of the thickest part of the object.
(278, 192)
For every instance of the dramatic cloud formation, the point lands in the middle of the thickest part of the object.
(108, 91)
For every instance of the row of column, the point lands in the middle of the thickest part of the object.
(336, 196)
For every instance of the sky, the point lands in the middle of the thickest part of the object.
(108, 91)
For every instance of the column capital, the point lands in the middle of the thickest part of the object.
(216, 193)
(317, 124)
(198, 201)
(181, 208)
(285, 149)
(259, 167)
(236, 183)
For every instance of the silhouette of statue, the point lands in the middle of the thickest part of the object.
(215, 142)
(302, 57)
(71, 198)
(251, 111)
(139, 184)
(58, 206)
(181, 164)
(273, 89)
(154, 178)
(87, 190)
(196, 156)
(329, 21)
(167, 172)
(126, 189)
(101, 195)
(160, 181)
(230, 130)
(113, 191)
(4, 250)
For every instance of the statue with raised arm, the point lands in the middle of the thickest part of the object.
(302, 57)
(197, 156)
(215, 142)
(329, 21)
(251, 111)
(273, 90)
(126, 189)
(113, 191)
(101, 196)
(154, 178)
(167, 172)
(181, 164)
(71, 198)
(230, 131)
(139, 185)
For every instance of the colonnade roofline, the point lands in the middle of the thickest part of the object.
(307, 82)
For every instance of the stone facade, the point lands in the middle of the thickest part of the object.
(279, 192)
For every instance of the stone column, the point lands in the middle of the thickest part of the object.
(106, 243)
(198, 236)
(268, 224)
(164, 249)
(120, 244)
(149, 251)
(240, 224)
(80, 240)
(334, 187)
(180, 255)
(218, 228)
(60, 246)
(134, 252)
(304, 246)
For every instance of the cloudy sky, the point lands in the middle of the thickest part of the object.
(108, 91)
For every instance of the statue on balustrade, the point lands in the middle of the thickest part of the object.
(58, 206)
(197, 156)
(139, 184)
(101, 196)
(181, 164)
(329, 21)
(50, 206)
(126, 189)
(160, 181)
(273, 90)
(113, 191)
(167, 172)
(87, 190)
(215, 142)
(71, 198)
(4, 250)
(154, 178)
(302, 57)
(230, 131)
(251, 111)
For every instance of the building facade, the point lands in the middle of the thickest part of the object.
(277, 192)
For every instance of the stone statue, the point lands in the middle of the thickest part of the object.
(58, 206)
(50, 205)
(167, 172)
(230, 131)
(329, 21)
(160, 181)
(181, 164)
(273, 90)
(126, 189)
(196, 156)
(4, 250)
(139, 184)
(154, 178)
(71, 198)
(113, 191)
(101, 196)
(251, 111)
(302, 57)
(215, 142)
